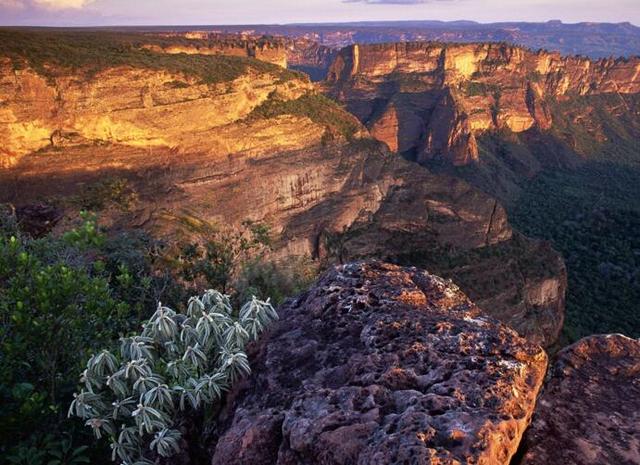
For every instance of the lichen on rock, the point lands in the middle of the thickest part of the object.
(379, 364)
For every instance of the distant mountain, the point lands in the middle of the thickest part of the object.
(595, 40)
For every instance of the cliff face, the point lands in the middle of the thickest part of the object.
(300, 54)
(141, 108)
(310, 57)
(379, 364)
(204, 141)
(275, 52)
(186, 147)
(449, 94)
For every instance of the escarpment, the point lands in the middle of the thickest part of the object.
(432, 101)
(258, 143)
(378, 364)
(268, 50)
(138, 107)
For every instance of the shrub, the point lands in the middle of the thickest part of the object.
(180, 363)
(86, 289)
(278, 280)
(211, 256)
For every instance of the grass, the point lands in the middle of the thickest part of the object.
(316, 107)
(55, 52)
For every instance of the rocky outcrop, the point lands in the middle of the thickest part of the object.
(589, 412)
(271, 51)
(378, 364)
(458, 91)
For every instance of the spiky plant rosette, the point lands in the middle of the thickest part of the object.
(179, 362)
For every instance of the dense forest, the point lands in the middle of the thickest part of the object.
(592, 216)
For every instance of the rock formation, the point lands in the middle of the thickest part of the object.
(300, 54)
(376, 365)
(432, 100)
(186, 147)
(269, 50)
(141, 108)
(589, 412)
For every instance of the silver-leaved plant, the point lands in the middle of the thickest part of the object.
(179, 362)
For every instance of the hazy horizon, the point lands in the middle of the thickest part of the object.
(247, 12)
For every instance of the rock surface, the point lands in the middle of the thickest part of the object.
(379, 365)
(589, 412)
(438, 98)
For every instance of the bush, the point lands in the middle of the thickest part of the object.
(178, 364)
(61, 298)
(275, 279)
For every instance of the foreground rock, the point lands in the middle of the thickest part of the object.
(379, 364)
(589, 412)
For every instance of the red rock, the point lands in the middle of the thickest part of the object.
(376, 365)
(589, 412)
(459, 91)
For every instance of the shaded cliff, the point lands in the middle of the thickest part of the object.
(378, 364)
(432, 101)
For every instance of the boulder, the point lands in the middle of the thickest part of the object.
(379, 364)
(589, 412)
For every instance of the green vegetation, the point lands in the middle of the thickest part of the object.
(317, 107)
(106, 192)
(592, 216)
(475, 88)
(179, 364)
(65, 297)
(60, 299)
(53, 52)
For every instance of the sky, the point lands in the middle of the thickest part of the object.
(173, 12)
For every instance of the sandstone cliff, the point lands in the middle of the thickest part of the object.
(378, 364)
(432, 100)
(260, 145)
(270, 51)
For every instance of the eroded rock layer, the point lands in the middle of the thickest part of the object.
(431, 100)
(589, 412)
(259, 145)
(379, 364)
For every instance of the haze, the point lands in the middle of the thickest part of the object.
(141, 12)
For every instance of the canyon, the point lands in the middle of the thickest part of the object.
(398, 162)
(188, 148)
(433, 101)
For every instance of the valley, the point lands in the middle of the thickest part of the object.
(445, 224)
